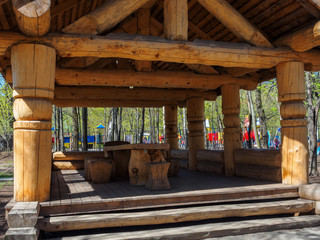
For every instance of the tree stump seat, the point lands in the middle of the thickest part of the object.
(174, 167)
(158, 175)
(98, 169)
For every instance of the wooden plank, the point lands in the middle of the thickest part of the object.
(104, 17)
(110, 93)
(76, 155)
(312, 6)
(67, 223)
(138, 146)
(259, 172)
(211, 230)
(259, 157)
(179, 154)
(4, 20)
(210, 155)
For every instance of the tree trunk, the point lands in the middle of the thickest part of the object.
(84, 129)
(185, 129)
(74, 141)
(119, 123)
(312, 126)
(254, 120)
(62, 148)
(142, 125)
(55, 135)
(262, 118)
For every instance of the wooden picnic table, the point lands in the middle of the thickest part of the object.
(141, 154)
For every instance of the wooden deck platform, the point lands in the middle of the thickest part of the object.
(71, 193)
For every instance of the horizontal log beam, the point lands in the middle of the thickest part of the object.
(159, 79)
(158, 49)
(302, 40)
(144, 94)
(114, 103)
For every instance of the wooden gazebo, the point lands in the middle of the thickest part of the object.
(148, 53)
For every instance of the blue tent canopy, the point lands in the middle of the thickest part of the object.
(100, 126)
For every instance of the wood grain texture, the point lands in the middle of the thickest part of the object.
(70, 156)
(65, 223)
(33, 82)
(258, 157)
(235, 22)
(33, 17)
(105, 93)
(157, 49)
(231, 120)
(104, 17)
(171, 129)
(310, 191)
(196, 138)
(303, 39)
(159, 79)
(294, 139)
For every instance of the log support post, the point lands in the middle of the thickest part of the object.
(33, 67)
(294, 132)
(171, 129)
(195, 117)
(231, 120)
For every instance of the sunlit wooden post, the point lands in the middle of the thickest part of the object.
(196, 140)
(33, 68)
(294, 132)
(231, 120)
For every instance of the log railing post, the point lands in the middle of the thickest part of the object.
(294, 132)
(33, 71)
(171, 129)
(231, 120)
(196, 140)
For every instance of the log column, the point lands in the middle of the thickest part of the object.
(232, 130)
(294, 135)
(196, 140)
(171, 117)
(33, 72)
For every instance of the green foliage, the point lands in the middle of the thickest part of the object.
(6, 109)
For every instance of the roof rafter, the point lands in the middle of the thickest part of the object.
(312, 6)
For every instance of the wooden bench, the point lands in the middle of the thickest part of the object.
(141, 154)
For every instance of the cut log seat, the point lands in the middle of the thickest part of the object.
(158, 175)
(98, 170)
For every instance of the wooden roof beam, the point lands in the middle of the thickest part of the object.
(235, 22)
(33, 16)
(158, 49)
(312, 6)
(238, 25)
(302, 40)
(145, 94)
(104, 17)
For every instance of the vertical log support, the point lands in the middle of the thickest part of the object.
(294, 135)
(171, 117)
(33, 72)
(175, 28)
(195, 117)
(231, 120)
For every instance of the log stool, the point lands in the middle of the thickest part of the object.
(158, 176)
(174, 167)
(98, 170)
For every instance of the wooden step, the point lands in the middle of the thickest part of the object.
(155, 217)
(205, 231)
